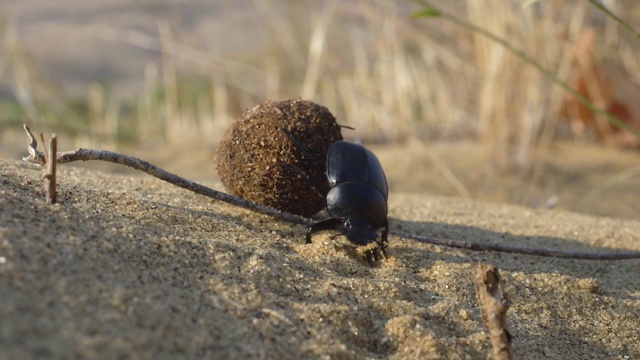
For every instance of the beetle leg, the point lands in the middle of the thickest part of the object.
(306, 176)
(320, 188)
(385, 233)
(328, 224)
(384, 242)
(302, 148)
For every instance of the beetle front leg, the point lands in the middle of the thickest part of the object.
(328, 224)
(385, 233)
(384, 242)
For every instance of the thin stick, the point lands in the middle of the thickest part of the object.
(615, 255)
(50, 176)
(494, 306)
(135, 163)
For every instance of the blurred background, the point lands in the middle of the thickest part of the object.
(448, 110)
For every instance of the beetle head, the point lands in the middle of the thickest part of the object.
(359, 231)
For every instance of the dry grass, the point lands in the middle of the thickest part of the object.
(392, 77)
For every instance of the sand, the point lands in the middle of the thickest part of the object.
(132, 267)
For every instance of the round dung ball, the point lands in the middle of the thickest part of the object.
(275, 155)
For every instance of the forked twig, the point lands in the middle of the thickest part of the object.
(135, 163)
(494, 304)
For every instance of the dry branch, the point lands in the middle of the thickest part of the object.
(494, 304)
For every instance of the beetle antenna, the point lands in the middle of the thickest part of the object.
(346, 127)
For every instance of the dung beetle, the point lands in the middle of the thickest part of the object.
(356, 193)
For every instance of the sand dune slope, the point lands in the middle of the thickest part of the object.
(132, 266)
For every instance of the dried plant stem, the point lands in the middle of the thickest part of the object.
(494, 304)
(615, 255)
(50, 176)
(138, 164)
(615, 18)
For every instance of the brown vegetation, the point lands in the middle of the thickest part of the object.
(597, 84)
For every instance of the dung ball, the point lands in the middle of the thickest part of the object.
(258, 161)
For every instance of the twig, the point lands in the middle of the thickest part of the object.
(135, 163)
(50, 176)
(615, 255)
(494, 306)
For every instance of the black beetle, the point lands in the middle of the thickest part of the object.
(356, 194)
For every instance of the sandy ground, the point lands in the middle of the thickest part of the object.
(131, 267)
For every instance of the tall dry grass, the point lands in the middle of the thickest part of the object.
(391, 77)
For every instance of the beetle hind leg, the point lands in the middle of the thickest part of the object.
(307, 177)
(320, 189)
(385, 233)
(384, 241)
(295, 141)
